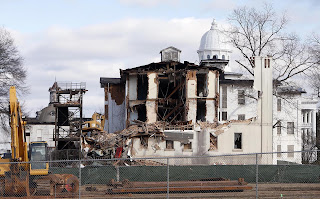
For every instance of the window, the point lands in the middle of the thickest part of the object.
(208, 56)
(241, 117)
(290, 149)
(223, 57)
(279, 150)
(224, 116)
(215, 57)
(201, 110)
(290, 128)
(279, 128)
(237, 140)
(278, 104)
(187, 146)
(169, 144)
(224, 96)
(241, 99)
(144, 141)
(202, 83)
(213, 142)
(303, 117)
(307, 117)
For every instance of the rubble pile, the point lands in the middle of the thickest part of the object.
(101, 144)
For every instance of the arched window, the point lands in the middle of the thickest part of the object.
(215, 57)
(208, 56)
(223, 57)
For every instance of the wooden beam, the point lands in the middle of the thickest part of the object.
(172, 111)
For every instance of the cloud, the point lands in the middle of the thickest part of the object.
(90, 52)
(148, 3)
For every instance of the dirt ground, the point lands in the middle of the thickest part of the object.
(303, 191)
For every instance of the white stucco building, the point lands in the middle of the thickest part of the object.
(294, 115)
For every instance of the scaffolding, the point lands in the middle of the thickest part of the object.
(68, 117)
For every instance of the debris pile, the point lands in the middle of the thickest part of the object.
(101, 144)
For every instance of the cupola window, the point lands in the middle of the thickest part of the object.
(208, 56)
(215, 57)
(223, 57)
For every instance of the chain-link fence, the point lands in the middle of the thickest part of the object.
(261, 175)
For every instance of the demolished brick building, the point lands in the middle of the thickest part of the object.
(171, 109)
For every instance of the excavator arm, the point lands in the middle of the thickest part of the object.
(19, 151)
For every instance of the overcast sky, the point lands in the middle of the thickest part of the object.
(81, 40)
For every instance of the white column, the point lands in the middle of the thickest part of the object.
(314, 126)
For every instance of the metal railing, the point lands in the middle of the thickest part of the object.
(257, 175)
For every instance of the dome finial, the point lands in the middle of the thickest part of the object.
(213, 24)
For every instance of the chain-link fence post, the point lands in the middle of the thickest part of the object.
(118, 173)
(79, 178)
(257, 176)
(168, 175)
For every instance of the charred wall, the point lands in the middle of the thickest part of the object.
(114, 107)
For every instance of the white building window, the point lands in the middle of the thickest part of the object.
(278, 104)
(169, 144)
(224, 96)
(241, 99)
(208, 56)
(241, 117)
(290, 149)
(224, 116)
(279, 128)
(290, 127)
(237, 140)
(223, 57)
(279, 150)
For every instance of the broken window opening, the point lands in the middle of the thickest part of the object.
(169, 144)
(144, 141)
(187, 146)
(241, 97)
(142, 112)
(142, 87)
(163, 86)
(241, 117)
(171, 97)
(201, 110)
(213, 142)
(202, 85)
(224, 116)
(237, 140)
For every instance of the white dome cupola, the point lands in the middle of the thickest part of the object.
(213, 45)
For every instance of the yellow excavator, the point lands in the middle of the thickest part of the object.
(26, 173)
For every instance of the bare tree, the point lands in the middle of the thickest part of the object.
(262, 33)
(314, 76)
(12, 73)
